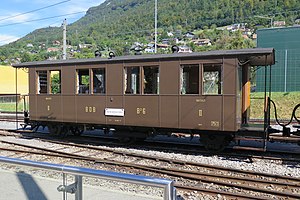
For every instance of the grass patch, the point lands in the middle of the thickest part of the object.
(11, 107)
(285, 103)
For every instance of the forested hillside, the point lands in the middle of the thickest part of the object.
(117, 24)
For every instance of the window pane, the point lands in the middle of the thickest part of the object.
(212, 83)
(189, 79)
(83, 81)
(42, 82)
(55, 81)
(132, 80)
(151, 80)
(99, 81)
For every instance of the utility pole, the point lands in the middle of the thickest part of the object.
(65, 39)
(155, 25)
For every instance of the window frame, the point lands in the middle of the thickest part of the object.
(181, 79)
(50, 82)
(103, 92)
(219, 83)
(38, 83)
(77, 83)
(126, 81)
(143, 87)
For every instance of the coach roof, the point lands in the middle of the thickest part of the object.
(255, 56)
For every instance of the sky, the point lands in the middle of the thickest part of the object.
(20, 17)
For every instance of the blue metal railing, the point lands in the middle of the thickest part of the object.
(167, 185)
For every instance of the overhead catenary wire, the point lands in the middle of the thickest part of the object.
(41, 19)
(35, 10)
(20, 36)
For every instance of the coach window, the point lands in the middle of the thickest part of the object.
(212, 82)
(83, 81)
(55, 82)
(42, 82)
(189, 79)
(132, 80)
(151, 80)
(99, 81)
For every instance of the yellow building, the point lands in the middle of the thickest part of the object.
(8, 80)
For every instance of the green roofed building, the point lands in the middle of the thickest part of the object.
(286, 71)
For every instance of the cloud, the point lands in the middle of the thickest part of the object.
(5, 39)
(14, 17)
(80, 5)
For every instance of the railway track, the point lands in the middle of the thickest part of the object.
(189, 176)
(11, 117)
(166, 146)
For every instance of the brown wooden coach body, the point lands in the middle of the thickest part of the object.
(193, 93)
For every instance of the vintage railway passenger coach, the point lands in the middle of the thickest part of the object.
(199, 93)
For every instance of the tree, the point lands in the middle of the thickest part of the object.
(26, 57)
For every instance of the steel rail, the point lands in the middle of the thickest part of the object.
(192, 175)
(183, 150)
(178, 186)
(214, 192)
(176, 161)
(158, 159)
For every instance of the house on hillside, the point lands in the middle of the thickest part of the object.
(29, 45)
(56, 43)
(165, 41)
(279, 23)
(83, 46)
(189, 35)
(170, 34)
(202, 42)
(149, 48)
(184, 49)
(53, 49)
(42, 45)
(162, 46)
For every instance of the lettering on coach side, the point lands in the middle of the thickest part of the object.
(215, 123)
(200, 113)
(90, 109)
(141, 111)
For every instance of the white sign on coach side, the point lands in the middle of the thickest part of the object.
(116, 112)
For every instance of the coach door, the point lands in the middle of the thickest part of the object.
(114, 105)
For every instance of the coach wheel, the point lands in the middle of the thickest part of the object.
(64, 131)
(77, 131)
(54, 129)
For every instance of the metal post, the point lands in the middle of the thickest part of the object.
(78, 181)
(265, 98)
(17, 99)
(285, 69)
(266, 109)
(65, 39)
(170, 192)
(64, 183)
(155, 42)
